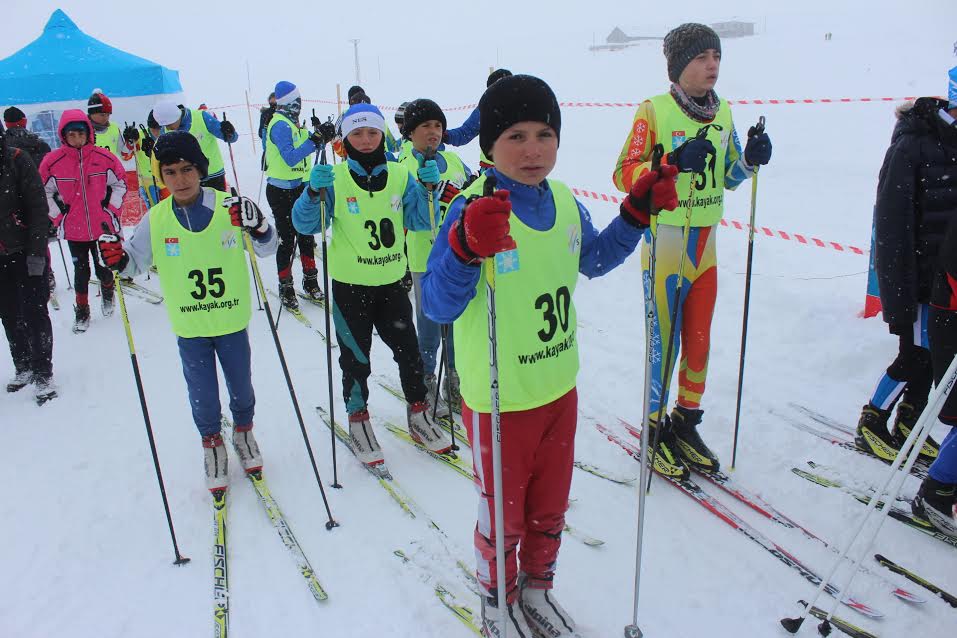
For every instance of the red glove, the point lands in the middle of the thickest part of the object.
(654, 191)
(483, 228)
(245, 214)
(111, 250)
(446, 191)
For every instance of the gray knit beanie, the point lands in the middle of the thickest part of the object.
(684, 43)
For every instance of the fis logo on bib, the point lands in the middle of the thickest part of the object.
(172, 247)
(229, 240)
(353, 205)
(396, 203)
(574, 239)
(677, 138)
(507, 261)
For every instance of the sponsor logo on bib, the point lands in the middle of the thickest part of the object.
(352, 205)
(507, 261)
(229, 240)
(677, 139)
(172, 247)
(574, 239)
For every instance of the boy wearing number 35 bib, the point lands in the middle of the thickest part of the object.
(195, 239)
(368, 203)
(538, 238)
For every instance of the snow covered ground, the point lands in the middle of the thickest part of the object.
(85, 548)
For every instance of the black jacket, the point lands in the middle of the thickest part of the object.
(916, 199)
(24, 218)
(28, 141)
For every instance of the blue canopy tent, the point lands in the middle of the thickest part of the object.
(60, 69)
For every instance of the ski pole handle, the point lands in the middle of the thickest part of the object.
(758, 128)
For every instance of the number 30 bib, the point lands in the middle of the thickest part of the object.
(537, 329)
(203, 275)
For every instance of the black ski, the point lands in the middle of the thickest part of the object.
(851, 630)
(950, 599)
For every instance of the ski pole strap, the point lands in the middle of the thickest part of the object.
(488, 189)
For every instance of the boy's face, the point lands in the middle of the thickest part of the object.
(100, 119)
(701, 74)
(76, 138)
(365, 139)
(526, 152)
(182, 179)
(426, 134)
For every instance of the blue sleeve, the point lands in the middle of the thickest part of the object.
(605, 251)
(214, 127)
(307, 213)
(281, 136)
(448, 284)
(467, 132)
(736, 170)
(415, 203)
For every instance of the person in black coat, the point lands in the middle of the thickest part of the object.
(19, 137)
(24, 265)
(916, 200)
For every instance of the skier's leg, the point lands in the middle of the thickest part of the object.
(199, 370)
(393, 321)
(80, 253)
(429, 332)
(235, 359)
(351, 313)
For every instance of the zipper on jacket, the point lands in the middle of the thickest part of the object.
(86, 204)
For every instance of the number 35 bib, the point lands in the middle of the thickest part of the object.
(537, 329)
(204, 275)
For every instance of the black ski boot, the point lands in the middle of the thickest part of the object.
(934, 505)
(667, 460)
(310, 284)
(287, 293)
(872, 435)
(82, 321)
(684, 422)
(906, 419)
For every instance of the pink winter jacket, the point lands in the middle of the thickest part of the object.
(84, 187)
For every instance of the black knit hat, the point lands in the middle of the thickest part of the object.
(514, 99)
(13, 114)
(497, 75)
(420, 111)
(177, 146)
(357, 94)
(684, 43)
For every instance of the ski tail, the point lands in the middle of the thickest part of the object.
(950, 599)
(220, 567)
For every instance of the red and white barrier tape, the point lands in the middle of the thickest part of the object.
(780, 234)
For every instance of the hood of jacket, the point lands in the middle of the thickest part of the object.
(75, 115)
(922, 117)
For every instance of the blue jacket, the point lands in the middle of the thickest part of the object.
(467, 132)
(281, 136)
(307, 216)
(212, 125)
(449, 284)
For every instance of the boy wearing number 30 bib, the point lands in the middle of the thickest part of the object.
(368, 203)
(538, 238)
(195, 239)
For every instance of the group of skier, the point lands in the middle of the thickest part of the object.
(508, 231)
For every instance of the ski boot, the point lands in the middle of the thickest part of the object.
(364, 444)
(934, 506)
(543, 613)
(82, 321)
(43, 388)
(108, 291)
(20, 381)
(491, 624)
(310, 284)
(437, 399)
(215, 462)
(691, 448)
(904, 422)
(287, 293)
(872, 435)
(424, 430)
(247, 448)
(667, 460)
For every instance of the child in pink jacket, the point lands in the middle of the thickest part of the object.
(85, 186)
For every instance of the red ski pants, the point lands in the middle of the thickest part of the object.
(538, 450)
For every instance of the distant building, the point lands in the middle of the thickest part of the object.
(618, 39)
(733, 29)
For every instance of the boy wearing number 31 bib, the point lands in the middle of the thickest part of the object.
(368, 203)
(538, 238)
(195, 240)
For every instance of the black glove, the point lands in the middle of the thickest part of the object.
(130, 135)
(692, 156)
(317, 139)
(106, 198)
(901, 329)
(227, 129)
(758, 149)
(328, 131)
(315, 121)
(146, 145)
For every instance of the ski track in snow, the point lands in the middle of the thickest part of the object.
(86, 549)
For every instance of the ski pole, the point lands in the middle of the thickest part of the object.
(252, 257)
(331, 523)
(496, 416)
(910, 451)
(757, 130)
(632, 630)
(69, 286)
(666, 379)
(430, 155)
(180, 559)
(325, 284)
